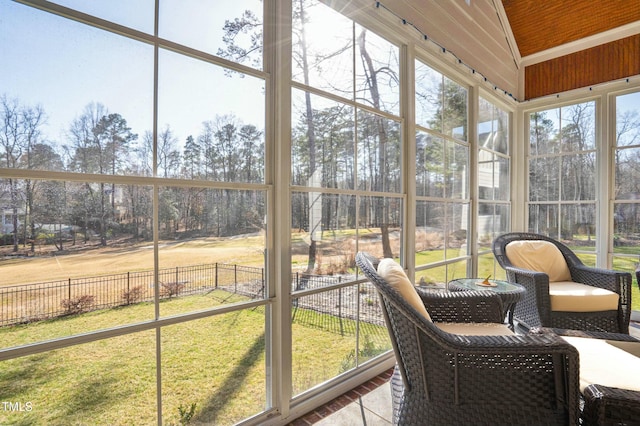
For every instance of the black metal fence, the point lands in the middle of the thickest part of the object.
(34, 302)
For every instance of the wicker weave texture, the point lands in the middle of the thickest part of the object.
(534, 310)
(448, 379)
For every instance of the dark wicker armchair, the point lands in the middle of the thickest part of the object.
(535, 309)
(450, 379)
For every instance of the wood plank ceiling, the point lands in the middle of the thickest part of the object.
(539, 26)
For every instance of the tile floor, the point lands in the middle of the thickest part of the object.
(369, 404)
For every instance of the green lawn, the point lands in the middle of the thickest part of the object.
(217, 363)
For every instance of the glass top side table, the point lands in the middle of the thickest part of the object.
(510, 293)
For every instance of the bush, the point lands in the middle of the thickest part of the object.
(132, 295)
(171, 289)
(78, 305)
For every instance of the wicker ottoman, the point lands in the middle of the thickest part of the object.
(604, 405)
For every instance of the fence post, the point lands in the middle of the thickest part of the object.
(69, 288)
(216, 275)
(177, 282)
(340, 311)
(235, 278)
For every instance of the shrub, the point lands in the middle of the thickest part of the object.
(78, 305)
(172, 289)
(132, 295)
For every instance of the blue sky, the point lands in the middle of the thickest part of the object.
(63, 66)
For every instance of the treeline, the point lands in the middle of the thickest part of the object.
(100, 142)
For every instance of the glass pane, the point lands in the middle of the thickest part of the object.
(428, 97)
(579, 177)
(322, 50)
(218, 364)
(578, 127)
(136, 14)
(323, 237)
(379, 153)
(323, 323)
(435, 278)
(486, 125)
(628, 119)
(493, 220)
(501, 142)
(322, 144)
(110, 381)
(487, 266)
(543, 132)
(214, 139)
(543, 219)
(380, 225)
(430, 232)
(377, 72)
(502, 176)
(579, 225)
(543, 179)
(493, 127)
(626, 228)
(457, 270)
(454, 114)
(373, 337)
(74, 251)
(627, 180)
(457, 230)
(94, 115)
(429, 165)
(231, 29)
(457, 171)
(219, 254)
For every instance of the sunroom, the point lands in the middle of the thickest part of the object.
(184, 186)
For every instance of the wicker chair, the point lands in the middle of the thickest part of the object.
(449, 379)
(534, 310)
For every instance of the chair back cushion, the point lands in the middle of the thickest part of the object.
(540, 256)
(393, 274)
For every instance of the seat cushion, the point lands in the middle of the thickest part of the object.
(569, 296)
(393, 274)
(540, 256)
(475, 328)
(605, 364)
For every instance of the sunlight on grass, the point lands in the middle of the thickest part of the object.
(218, 363)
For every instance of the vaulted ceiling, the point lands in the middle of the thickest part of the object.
(568, 44)
(538, 26)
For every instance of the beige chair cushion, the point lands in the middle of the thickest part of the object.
(604, 364)
(541, 256)
(475, 328)
(569, 296)
(395, 276)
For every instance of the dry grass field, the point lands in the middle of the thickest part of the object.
(123, 256)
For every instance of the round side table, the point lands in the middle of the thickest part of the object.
(510, 293)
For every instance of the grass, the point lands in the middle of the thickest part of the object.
(217, 363)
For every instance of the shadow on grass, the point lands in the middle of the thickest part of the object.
(232, 385)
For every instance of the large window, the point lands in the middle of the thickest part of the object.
(626, 204)
(442, 177)
(346, 152)
(493, 181)
(562, 176)
(133, 206)
(164, 259)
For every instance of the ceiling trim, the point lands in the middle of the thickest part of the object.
(508, 34)
(582, 44)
